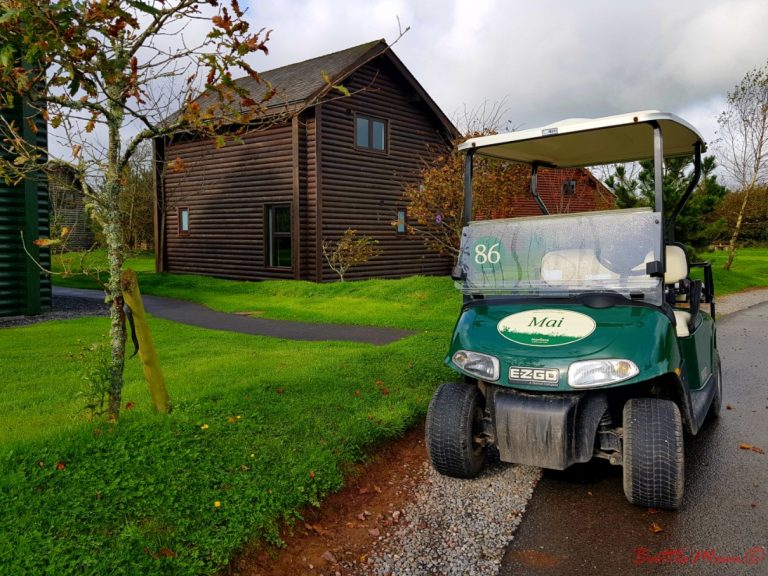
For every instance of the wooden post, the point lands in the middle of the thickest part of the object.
(149, 361)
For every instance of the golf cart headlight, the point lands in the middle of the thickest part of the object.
(481, 365)
(591, 373)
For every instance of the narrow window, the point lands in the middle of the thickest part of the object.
(569, 187)
(183, 221)
(279, 237)
(401, 221)
(371, 134)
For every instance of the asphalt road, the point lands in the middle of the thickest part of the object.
(578, 521)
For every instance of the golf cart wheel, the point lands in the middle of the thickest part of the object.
(454, 420)
(654, 463)
(717, 399)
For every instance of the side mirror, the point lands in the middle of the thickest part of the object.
(654, 269)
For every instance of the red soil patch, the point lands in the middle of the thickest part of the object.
(346, 526)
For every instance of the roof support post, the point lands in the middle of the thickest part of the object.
(534, 189)
(468, 167)
(658, 166)
(689, 190)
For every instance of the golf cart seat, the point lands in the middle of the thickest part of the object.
(677, 274)
(573, 267)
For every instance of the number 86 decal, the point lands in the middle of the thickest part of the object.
(487, 254)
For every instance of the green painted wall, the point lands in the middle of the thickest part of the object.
(24, 289)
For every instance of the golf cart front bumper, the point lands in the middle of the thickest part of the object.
(547, 430)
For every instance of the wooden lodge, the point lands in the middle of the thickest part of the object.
(263, 208)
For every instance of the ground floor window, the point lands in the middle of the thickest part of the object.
(279, 236)
(183, 222)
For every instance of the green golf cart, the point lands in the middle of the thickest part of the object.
(581, 335)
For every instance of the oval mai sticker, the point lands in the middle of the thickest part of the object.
(546, 327)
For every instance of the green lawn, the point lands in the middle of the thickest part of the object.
(749, 270)
(261, 426)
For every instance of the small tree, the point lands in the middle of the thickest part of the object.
(109, 67)
(436, 202)
(695, 224)
(743, 142)
(350, 250)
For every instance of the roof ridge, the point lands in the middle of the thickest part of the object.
(366, 45)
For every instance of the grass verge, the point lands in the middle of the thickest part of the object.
(260, 428)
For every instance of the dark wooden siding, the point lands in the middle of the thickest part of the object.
(364, 189)
(226, 191)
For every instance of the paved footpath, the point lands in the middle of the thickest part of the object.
(198, 315)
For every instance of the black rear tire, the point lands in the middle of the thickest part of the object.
(454, 420)
(654, 461)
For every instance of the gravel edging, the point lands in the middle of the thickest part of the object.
(454, 526)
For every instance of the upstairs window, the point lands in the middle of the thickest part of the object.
(370, 134)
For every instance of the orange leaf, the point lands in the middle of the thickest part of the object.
(60, 465)
(167, 552)
(758, 450)
(655, 528)
(745, 446)
(312, 474)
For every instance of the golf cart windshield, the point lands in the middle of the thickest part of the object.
(563, 255)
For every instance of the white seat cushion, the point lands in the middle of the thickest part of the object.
(573, 267)
(682, 319)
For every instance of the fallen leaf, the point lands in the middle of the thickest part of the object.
(653, 510)
(167, 552)
(312, 474)
(357, 393)
(60, 465)
(317, 528)
(130, 405)
(377, 489)
(745, 446)
(231, 419)
(728, 407)
(758, 450)
(328, 555)
(363, 490)
(655, 528)
(384, 391)
(280, 391)
(754, 504)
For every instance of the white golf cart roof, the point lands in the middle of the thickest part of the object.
(591, 141)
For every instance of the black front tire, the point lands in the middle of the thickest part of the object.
(454, 421)
(654, 461)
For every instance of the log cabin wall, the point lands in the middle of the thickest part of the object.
(225, 192)
(363, 188)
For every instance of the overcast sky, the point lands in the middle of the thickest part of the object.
(545, 59)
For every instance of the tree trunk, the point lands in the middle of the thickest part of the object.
(737, 230)
(115, 256)
(114, 296)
